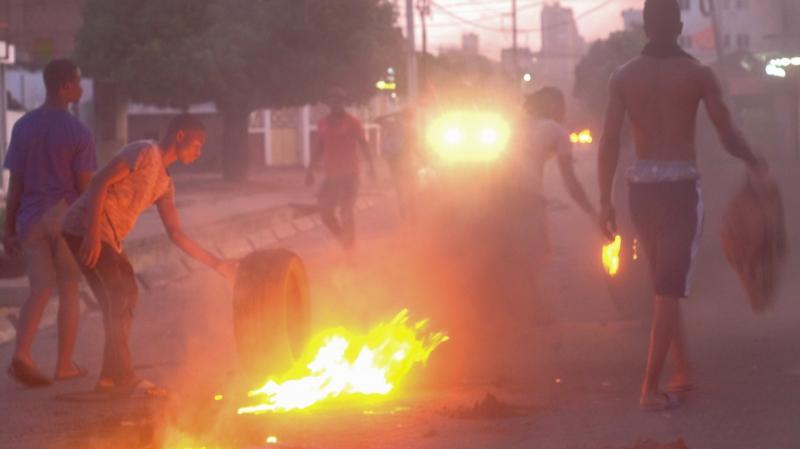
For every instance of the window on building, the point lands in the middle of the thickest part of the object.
(685, 4)
(743, 41)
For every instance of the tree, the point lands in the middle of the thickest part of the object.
(604, 57)
(240, 54)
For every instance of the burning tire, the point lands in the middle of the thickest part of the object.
(271, 311)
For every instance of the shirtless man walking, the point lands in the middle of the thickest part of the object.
(660, 92)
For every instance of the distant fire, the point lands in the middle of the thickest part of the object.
(340, 363)
(611, 256)
(584, 137)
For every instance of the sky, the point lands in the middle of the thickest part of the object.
(491, 20)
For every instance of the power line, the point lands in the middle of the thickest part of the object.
(482, 26)
(468, 21)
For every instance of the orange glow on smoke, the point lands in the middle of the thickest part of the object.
(341, 363)
(584, 137)
(611, 256)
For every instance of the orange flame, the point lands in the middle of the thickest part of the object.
(339, 363)
(611, 256)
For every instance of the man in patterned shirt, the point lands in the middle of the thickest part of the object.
(96, 225)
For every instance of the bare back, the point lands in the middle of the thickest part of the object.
(661, 97)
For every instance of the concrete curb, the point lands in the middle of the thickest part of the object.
(157, 262)
(8, 319)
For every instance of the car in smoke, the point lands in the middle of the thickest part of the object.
(467, 136)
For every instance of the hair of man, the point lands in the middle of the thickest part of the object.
(547, 102)
(185, 122)
(662, 19)
(57, 73)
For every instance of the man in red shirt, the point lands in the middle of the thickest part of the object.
(340, 136)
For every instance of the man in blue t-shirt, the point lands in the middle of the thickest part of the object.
(51, 158)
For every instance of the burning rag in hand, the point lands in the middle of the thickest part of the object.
(754, 238)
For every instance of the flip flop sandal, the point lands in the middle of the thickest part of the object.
(680, 388)
(105, 385)
(144, 389)
(80, 372)
(27, 375)
(659, 402)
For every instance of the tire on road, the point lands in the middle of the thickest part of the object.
(271, 311)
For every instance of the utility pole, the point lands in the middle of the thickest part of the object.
(514, 38)
(3, 125)
(6, 58)
(709, 7)
(424, 10)
(411, 53)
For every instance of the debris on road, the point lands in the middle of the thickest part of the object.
(488, 408)
(649, 444)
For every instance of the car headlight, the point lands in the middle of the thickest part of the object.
(468, 136)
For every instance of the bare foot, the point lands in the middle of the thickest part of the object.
(72, 371)
(656, 402)
(680, 383)
(27, 374)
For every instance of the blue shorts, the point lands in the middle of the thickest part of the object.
(668, 216)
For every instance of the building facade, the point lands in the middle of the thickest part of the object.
(41, 29)
(562, 48)
(760, 27)
(470, 43)
(633, 19)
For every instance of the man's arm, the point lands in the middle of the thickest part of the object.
(172, 224)
(720, 116)
(608, 155)
(316, 156)
(573, 186)
(83, 180)
(13, 201)
(367, 153)
(84, 163)
(115, 171)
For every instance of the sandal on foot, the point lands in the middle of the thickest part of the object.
(144, 389)
(680, 388)
(105, 385)
(27, 375)
(79, 373)
(659, 402)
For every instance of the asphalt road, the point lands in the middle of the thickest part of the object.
(561, 354)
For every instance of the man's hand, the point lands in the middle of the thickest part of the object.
(11, 245)
(309, 178)
(89, 253)
(759, 171)
(373, 175)
(608, 221)
(227, 269)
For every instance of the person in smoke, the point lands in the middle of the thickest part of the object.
(543, 137)
(660, 92)
(96, 225)
(401, 149)
(340, 140)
